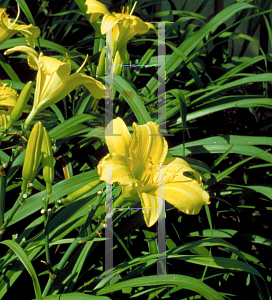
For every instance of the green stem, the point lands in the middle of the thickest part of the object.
(71, 249)
(12, 212)
(118, 202)
(46, 220)
(30, 118)
(67, 254)
(3, 183)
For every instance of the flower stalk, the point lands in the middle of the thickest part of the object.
(46, 220)
(20, 201)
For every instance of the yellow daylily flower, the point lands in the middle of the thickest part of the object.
(135, 165)
(124, 26)
(53, 80)
(8, 97)
(8, 29)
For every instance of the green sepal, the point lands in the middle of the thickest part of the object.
(47, 161)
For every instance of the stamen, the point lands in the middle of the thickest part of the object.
(133, 8)
(123, 10)
(18, 14)
(83, 64)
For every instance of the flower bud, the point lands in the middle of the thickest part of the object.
(47, 161)
(33, 154)
(80, 192)
(20, 104)
(101, 64)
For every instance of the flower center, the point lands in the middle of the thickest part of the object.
(147, 179)
(127, 12)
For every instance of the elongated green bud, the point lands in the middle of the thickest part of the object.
(33, 154)
(20, 104)
(47, 161)
(101, 63)
(80, 192)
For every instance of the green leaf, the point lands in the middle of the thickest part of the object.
(231, 85)
(230, 233)
(193, 41)
(60, 189)
(64, 129)
(75, 296)
(27, 264)
(132, 98)
(181, 281)
(8, 69)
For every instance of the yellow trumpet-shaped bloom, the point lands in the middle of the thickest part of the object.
(8, 29)
(53, 80)
(124, 26)
(8, 97)
(136, 164)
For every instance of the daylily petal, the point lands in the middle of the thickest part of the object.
(27, 50)
(8, 97)
(147, 148)
(50, 65)
(29, 31)
(8, 29)
(140, 26)
(95, 8)
(118, 144)
(108, 22)
(95, 87)
(126, 30)
(150, 208)
(184, 193)
(175, 167)
(152, 27)
(130, 193)
(53, 72)
(120, 170)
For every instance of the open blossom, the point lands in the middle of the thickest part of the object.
(123, 25)
(8, 29)
(53, 80)
(135, 165)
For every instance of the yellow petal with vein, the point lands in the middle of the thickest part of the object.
(95, 8)
(185, 193)
(53, 72)
(109, 21)
(148, 147)
(65, 87)
(140, 26)
(116, 168)
(118, 144)
(149, 208)
(50, 65)
(8, 96)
